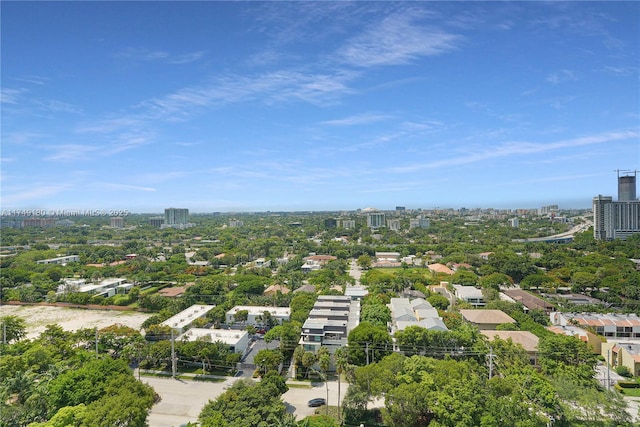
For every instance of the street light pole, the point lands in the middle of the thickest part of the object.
(173, 356)
(326, 383)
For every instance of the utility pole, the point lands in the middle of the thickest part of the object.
(491, 355)
(173, 356)
(608, 370)
(367, 351)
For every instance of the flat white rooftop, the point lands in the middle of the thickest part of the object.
(185, 317)
(229, 337)
(467, 292)
(256, 310)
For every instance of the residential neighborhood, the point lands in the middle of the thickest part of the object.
(318, 311)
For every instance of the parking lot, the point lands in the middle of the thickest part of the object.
(182, 400)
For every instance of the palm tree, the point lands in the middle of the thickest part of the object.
(288, 420)
(324, 361)
(297, 358)
(341, 360)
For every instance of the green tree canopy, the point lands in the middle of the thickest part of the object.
(12, 328)
(245, 404)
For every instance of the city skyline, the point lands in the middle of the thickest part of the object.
(317, 106)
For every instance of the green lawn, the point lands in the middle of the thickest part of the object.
(634, 392)
(166, 374)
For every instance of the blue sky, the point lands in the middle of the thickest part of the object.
(250, 106)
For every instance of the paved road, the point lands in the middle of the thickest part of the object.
(182, 400)
(355, 272)
(579, 228)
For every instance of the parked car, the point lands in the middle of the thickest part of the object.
(314, 403)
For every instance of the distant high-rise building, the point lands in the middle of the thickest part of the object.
(235, 223)
(545, 210)
(514, 222)
(156, 221)
(622, 219)
(375, 219)
(330, 223)
(176, 216)
(39, 222)
(117, 222)
(393, 224)
(348, 224)
(627, 188)
(401, 208)
(420, 222)
(599, 204)
(619, 219)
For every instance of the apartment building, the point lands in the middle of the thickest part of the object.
(329, 323)
(611, 326)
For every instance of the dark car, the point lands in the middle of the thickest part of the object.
(314, 403)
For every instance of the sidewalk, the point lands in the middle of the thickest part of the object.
(151, 372)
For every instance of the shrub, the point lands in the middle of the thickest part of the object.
(624, 371)
(622, 385)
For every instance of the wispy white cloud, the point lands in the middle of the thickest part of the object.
(529, 92)
(147, 55)
(22, 137)
(109, 125)
(128, 141)
(17, 197)
(576, 156)
(186, 58)
(35, 80)
(621, 71)
(118, 186)
(300, 20)
(562, 76)
(269, 88)
(359, 119)
(586, 22)
(10, 95)
(404, 131)
(259, 152)
(392, 187)
(295, 173)
(7, 159)
(517, 148)
(559, 178)
(560, 102)
(479, 107)
(159, 177)
(59, 107)
(69, 152)
(429, 125)
(398, 39)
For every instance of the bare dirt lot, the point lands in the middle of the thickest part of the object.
(71, 319)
